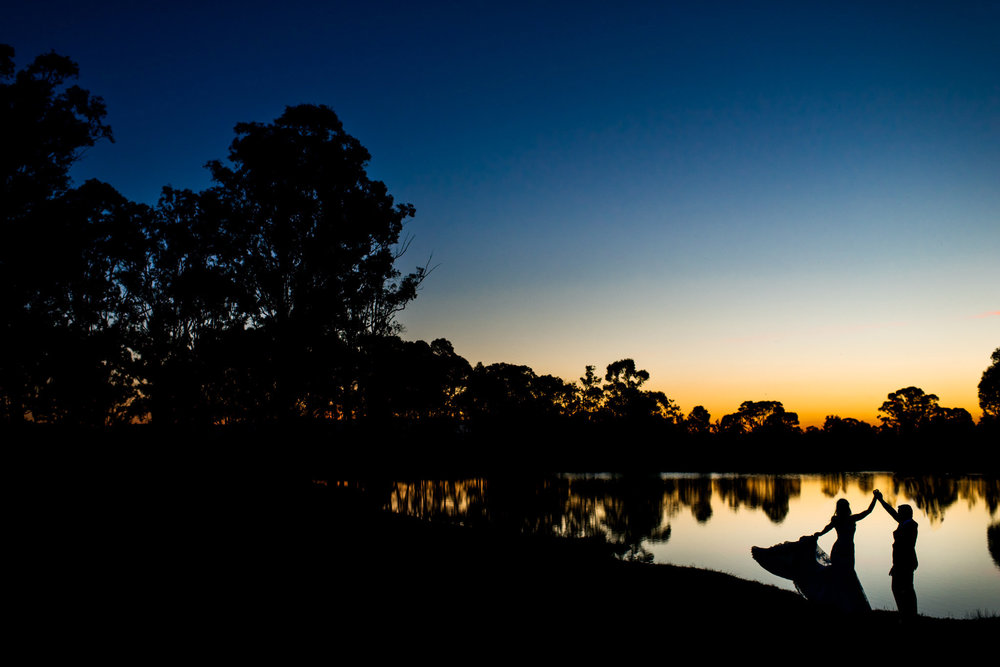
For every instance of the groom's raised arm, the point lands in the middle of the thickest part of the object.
(887, 506)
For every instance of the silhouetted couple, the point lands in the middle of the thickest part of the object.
(832, 580)
(904, 551)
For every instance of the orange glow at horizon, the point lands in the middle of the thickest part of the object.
(813, 377)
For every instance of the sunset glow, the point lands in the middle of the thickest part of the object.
(789, 202)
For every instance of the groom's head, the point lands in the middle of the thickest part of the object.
(905, 512)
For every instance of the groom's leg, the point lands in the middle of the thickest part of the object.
(903, 591)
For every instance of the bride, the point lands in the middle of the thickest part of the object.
(827, 579)
(845, 523)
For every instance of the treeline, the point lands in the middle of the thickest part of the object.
(270, 299)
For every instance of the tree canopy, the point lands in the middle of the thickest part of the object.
(315, 238)
(285, 266)
(989, 388)
(907, 410)
(68, 261)
(759, 417)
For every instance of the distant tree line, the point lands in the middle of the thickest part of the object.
(271, 298)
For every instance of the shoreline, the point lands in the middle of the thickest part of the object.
(444, 559)
(285, 560)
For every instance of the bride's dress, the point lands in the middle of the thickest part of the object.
(815, 577)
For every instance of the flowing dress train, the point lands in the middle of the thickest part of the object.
(815, 575)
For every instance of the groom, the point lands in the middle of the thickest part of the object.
(904, 558)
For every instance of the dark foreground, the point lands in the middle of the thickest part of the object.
(318, 565)
(181, 564)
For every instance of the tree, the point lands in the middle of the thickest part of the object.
(844, 428)
(989, 388)
(320, 238)
(663, 408)
(590, 395)
(192, 337)
(69, 258)
(414, 380)
(760, 417)
(312, 244)
(513, 395)
(623, 396)
(952, 421)
(45, 126)
(699, 421)
(907, 410)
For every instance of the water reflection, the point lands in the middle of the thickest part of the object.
(633, 506)
(993, 542)
(934, 494)
(633, 513)
(835, 484)
(768, 493)
(696, 493)
(626, 511)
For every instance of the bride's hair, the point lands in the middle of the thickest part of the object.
(843, 509)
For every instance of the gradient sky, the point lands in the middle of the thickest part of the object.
(754, 200)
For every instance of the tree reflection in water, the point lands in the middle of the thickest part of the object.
(768, 493)
(631, 511)
(835, 484)
(993, 542)
(696, 493)
(633, 514)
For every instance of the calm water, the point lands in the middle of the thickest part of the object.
(712, 521)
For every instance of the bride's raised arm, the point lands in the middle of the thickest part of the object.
(861, 515)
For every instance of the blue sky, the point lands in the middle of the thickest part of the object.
(754, 200)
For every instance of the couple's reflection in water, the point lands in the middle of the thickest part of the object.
(831, 579)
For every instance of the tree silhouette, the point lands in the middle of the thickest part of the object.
(625, 400)
(309, 243)
(907, 410)
(952, 420)
(699, 421)
(847, 428)
(92, 303)
(590, 395)
(413, 380)
(69, 258)
(319, 236)
(46, 124)
(989, 388)
(510, 394)
(758, 417)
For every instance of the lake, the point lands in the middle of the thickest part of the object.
(712, 521)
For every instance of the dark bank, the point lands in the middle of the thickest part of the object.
(258, 535)
(486, 581)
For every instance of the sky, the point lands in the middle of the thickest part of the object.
(789, 201)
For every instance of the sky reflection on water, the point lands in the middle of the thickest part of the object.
(956, 575)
